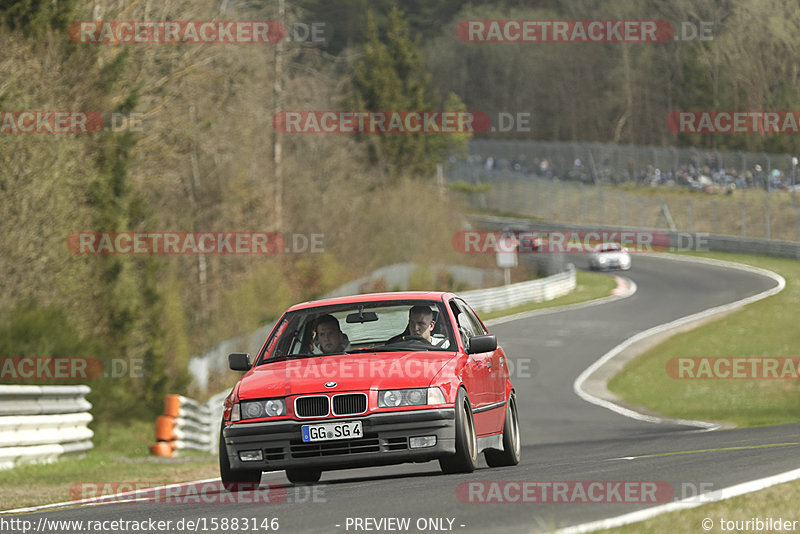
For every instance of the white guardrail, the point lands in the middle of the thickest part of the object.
(497, 298)
(41, 423)
(187, 424)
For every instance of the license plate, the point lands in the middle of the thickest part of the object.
(329, 431)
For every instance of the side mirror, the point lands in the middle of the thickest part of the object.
(479, 344)
(239, 362)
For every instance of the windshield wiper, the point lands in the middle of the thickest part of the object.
(400, 347)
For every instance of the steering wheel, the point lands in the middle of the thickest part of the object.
(402, 339)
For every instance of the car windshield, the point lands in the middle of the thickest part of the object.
(363, 327)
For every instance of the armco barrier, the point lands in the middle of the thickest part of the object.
(187, 424)
(497, 298)
(41, 423)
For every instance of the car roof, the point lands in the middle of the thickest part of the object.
(389, 296)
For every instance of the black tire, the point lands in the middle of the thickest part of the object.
(465, 460)
(303, 475)
(235, 479)
(511, 452)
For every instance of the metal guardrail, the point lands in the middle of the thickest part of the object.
(42, 423)
(497, 298)
(187, 424)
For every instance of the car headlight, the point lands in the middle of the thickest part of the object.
(602, 259)
(409, 397)
(261, 408)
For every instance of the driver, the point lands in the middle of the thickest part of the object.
(421, 323)
(330, 337)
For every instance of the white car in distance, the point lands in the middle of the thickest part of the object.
(610, 256)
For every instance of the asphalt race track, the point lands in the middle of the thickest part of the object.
(564, 438)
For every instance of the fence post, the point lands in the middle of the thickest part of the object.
(667, 215)
(767, 217)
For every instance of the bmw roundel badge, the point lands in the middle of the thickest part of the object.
(330, 384)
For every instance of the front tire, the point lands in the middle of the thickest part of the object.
(235, 479)
(303, 475)
(465, 460)
(511, 452)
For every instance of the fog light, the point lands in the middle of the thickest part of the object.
(251, 456)
(422, 441)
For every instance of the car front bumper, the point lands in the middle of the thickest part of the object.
(385, 441)
(612, 265)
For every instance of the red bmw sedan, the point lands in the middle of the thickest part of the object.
(369, 380)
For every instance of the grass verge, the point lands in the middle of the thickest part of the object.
(765, 328)
(120, 455)
(779, 501)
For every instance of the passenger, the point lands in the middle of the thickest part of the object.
(330, 337)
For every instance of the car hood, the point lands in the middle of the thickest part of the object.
(351, 372)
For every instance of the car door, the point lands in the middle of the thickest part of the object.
(497, 364)
(479, 365)
(494, 377)
(475, 373)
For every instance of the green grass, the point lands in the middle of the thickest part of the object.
(589, 286)
(121, 455)
(779, 501)
(768, 327)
